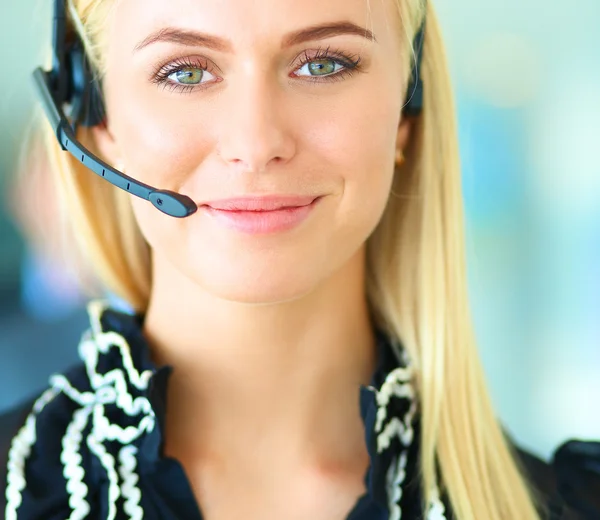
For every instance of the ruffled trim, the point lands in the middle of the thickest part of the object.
(20, 450)
(122, 388)
(390, 426)
(113, 421)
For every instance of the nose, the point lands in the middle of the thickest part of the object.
(254, 131)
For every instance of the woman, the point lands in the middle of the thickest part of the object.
(309, 319)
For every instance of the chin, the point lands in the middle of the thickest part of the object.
(259, 290)
(254, 273)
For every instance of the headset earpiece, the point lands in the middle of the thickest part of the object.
(414, 92)
(83, 92)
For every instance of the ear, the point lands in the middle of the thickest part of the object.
(106, 145)
(403, 135)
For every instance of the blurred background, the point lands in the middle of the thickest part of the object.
(527, 84)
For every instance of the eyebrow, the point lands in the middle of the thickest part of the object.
(198, 39)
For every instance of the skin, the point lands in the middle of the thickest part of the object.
(269, 335)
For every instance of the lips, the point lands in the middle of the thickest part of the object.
(261, 215)
(264, 203)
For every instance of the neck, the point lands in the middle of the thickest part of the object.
(282, 378)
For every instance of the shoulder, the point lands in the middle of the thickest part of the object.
(568, 485)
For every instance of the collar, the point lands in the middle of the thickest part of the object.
(388, 408)
(118, 404)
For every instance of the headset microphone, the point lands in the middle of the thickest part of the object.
(71, 82)
(171, 203)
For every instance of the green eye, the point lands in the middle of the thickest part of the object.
(187, 76)
(321, 67)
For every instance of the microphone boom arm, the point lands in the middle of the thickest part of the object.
(169, 202)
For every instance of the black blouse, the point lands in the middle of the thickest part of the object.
(90, 446)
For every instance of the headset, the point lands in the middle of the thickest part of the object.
(71, 84)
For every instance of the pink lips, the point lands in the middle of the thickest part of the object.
(261, 215)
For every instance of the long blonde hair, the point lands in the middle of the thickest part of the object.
(416, 283)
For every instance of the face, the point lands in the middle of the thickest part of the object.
(230, 99)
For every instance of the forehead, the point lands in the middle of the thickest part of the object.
(250, 22)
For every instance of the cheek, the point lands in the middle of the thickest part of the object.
(162, 143)
(365, 150)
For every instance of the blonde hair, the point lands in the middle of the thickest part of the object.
(416, 282)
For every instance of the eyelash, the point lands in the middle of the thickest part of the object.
(351, 64)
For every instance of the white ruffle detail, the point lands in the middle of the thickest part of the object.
(395, 478)
(73, 471)
(397, 427)
(107, 389)
(435, 509)
(129, 489)
(398, 383)
(20, 450)
(108, 463)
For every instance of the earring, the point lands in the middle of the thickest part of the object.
(399, 157)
